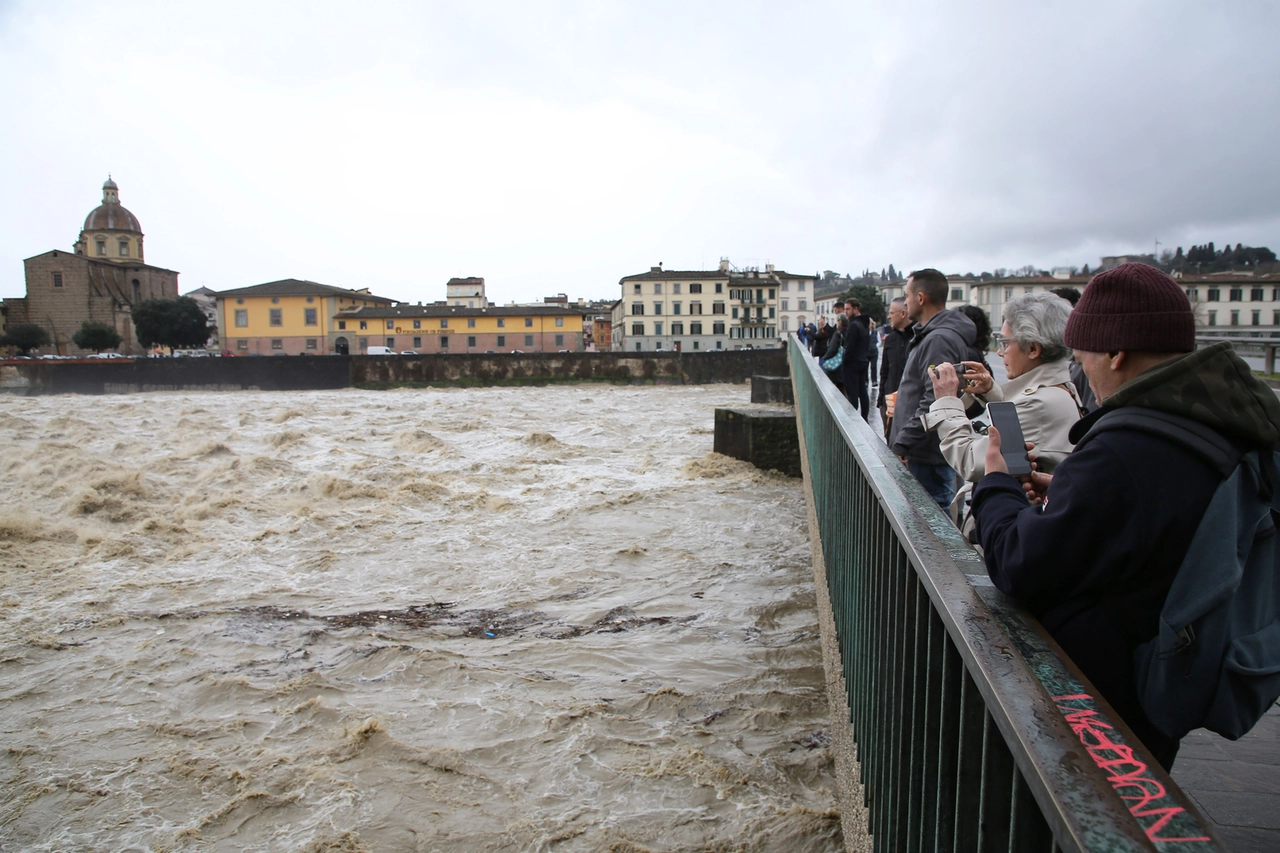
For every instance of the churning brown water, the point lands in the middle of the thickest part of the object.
(492, 619)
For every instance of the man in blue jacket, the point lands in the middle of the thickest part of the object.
(1094, 560)
(941, 335)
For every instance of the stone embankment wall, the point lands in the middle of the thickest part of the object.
(298, 373)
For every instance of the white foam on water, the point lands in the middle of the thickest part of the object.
(460, 619)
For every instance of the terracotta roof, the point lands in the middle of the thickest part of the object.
(707, 275)
(111, 217)
(439, 310)
(294, 287)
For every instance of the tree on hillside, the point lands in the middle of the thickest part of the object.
(173, 323)
(869, 298)
(25, 337)
(97, 336)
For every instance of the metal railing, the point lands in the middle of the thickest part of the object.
(973, 730)
(1246, 343)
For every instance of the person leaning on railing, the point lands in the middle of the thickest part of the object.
(1039, 385)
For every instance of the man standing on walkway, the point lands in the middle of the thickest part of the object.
(1095, 563)
(853, 370)
(941, 335)
(894, 356)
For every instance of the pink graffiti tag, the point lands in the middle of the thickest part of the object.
(1127, 773)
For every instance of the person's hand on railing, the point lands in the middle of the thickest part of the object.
(946, 382)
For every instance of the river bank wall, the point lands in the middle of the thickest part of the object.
(284, 373)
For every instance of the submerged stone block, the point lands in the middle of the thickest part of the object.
(765, 437)
(772, 389)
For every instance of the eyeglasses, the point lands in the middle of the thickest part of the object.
(1002, 344)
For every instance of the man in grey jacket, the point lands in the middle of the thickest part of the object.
(942, 335)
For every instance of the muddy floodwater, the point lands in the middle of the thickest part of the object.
(418, 620)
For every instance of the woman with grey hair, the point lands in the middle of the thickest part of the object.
(1037, 363)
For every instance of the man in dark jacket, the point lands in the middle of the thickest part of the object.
(821, 338)
(894, 356)
(941, 335)
(1095, 562)
(857, 347)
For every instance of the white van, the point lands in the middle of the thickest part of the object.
(380, 351)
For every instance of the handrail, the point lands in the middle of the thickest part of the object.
(973, 730)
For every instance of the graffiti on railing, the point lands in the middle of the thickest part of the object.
(1132, 779)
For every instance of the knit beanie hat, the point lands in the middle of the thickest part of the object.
(1132, 307)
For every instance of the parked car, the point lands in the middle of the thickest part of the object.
(106, 355)
(407, 352)
(380, 351)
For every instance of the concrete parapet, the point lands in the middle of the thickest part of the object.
(765, 437)
(772, 389)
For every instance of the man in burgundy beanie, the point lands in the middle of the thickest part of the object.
(1095, 555)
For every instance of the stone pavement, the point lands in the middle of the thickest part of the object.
(1236, 784)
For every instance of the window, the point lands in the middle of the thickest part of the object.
(528, 340)
(695, 328)
(444, 322)
(786, 286)
(1193, 292)
(786, 305)
(957, 294)
(528, 322)
(717, 328)
(1257, 318)
(471, 322)
(772, 311)
(675, 307)
(277, 343)
(717, 307)
(636, 289)
(310, 299)
(657, 345)
(675, 288)
(637, 346)
(391, 343)
(773, 294)
(502, 322)
(362, 343)
(677, 328)
(1237, 294)
(1008, 294)
(242, 317)
(560, 321)
(275, 318)
(804, 304)
(57, 279)
(242, 345)
(342, 325)
(637, 308)
(657, 287)
(471, 341)
(657, 328)
(1275, 318)
(444, 342)
(559, 340)
(391, 324)
(1213, 318)
(695, 288)
(1215, 295)
(719, 287)
(239, 301)
(719, 344)
(1275, 294)
(102, 248)
(695, 345)
(695, 307)
(275, 300)
(417, 343)
(311, 343)
(785, 325)
(363, 325)
(637, 328)
(502, 340)
(657, 308)
(124, 248)
(1255, 295)
(309, 316)
(800, 287)
(735, 312)
(1235, 318)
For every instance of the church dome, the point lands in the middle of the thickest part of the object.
(111, 215)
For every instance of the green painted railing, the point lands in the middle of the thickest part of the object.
(974, 732)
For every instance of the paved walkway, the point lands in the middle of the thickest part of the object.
(1236, 784)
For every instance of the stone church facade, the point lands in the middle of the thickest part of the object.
(101, 279)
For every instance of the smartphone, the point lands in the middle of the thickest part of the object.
(1013, 447)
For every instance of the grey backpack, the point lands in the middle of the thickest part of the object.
(1216, 662)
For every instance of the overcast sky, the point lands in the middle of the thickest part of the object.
(556, 147)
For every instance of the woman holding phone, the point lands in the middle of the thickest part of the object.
(1039, 386)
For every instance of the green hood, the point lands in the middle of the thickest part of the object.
(1213, 386)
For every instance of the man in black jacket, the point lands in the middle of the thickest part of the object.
(853, 370)
(1095, 561)
(941, 335)
(894, 356)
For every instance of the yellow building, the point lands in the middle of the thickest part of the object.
(440, 328)
(289, 317)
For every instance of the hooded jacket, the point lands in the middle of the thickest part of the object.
(945, 338)
(893, 361)
(1095, 563)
